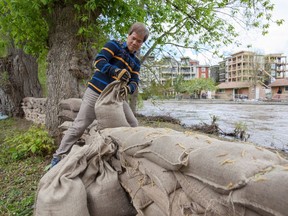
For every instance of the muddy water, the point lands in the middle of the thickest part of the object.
(267, 124)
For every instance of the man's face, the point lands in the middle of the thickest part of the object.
(134, 42)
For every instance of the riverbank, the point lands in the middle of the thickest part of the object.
(219, 101)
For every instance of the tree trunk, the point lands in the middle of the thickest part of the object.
(18, 79)
(68, 64)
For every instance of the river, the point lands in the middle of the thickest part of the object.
(266, 124)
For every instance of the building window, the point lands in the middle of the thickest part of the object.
(221, 90)
(286, 88)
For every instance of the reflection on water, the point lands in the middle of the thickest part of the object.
(267, 124)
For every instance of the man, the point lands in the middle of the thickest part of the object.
(116, 61)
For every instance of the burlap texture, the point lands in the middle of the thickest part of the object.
(226, 166)
(72, 104)
(151, 210)
(67, 115)
(61, 191)
(266, 193)
(163, 179)
(106, 196)
(133, 183)
(109, 108)
(134, 139)
(213, 202)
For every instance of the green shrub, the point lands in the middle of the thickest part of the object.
(241, 131)
(35, 141)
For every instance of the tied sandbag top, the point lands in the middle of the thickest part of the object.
(109, 108)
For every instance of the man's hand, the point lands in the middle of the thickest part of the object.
(124, 91)
(123, 74)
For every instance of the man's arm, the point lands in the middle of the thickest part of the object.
(101, 62)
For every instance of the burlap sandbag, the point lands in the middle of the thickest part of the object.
(65, 125)
(158, 197)
(228, 165)
(125, 137)
(151, 210)
(106, 196)
(67, 115)
(166, 147)
(133, 181)
(165, 180)
(72, 104)
(266, 193)
(249, 212)
(181, 205)
(167, 152)
(134, 139)
(109, 108)
(61, 191)
(177, 203)
(213, 202)
(101, 148)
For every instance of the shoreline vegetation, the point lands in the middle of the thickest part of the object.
(20, 178)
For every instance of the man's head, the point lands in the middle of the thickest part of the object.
(137, 35)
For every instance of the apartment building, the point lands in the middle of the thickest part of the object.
(169, 68)
(244, 74)
(243, 66)
(276, 65)
(214, 73)
(222, 71)
(248, 75)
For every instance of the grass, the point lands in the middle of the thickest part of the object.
(19, 178)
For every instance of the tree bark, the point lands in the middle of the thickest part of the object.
(68, 63)
(18, 79)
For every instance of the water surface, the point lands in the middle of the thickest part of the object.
(267, 124)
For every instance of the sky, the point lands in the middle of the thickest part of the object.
(276, 41)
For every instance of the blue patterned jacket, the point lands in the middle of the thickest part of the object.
(114, 55)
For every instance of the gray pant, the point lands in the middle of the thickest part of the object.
(85, 117)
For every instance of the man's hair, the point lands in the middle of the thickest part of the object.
(140, 29)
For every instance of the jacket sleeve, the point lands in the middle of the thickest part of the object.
(101, 62)
(135, 77)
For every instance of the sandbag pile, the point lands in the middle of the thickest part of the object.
(84, 183)
(69, 109)
(158, 171)
(172, 173)
(34, 109)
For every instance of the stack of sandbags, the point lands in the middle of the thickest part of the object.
(34, 109)
(164, 172)
(69, 109)
(84, 183)
(172, 173)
